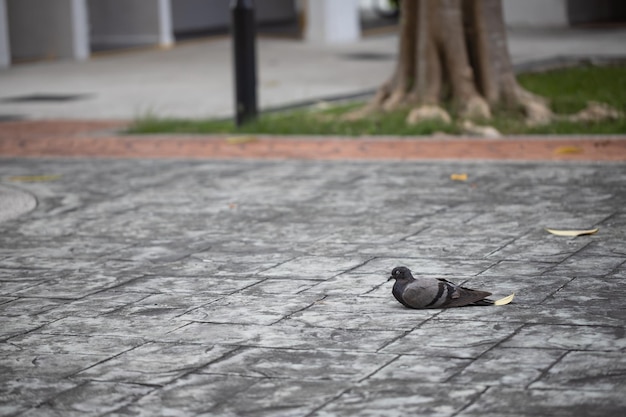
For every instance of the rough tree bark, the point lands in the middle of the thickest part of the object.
(455, 50)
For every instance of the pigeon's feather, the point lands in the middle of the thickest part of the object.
(425, 292)
(465, 296)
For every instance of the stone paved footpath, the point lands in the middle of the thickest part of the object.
(208, 287)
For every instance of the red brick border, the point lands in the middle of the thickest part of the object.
(99, 139)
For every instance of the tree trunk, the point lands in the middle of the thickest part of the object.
(455, 50)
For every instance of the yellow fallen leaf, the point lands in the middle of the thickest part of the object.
(238, 140)
(566, 150)
(572, 233)
(458, 177)
(504, 301)
(34, 178)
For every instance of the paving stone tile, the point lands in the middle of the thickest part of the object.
(95, 397)
(167, 284)
(279, 286)
(519, 269)
(48, 411)
(12, 288)
(541, 246)
(619, 272)
(367, 249)
(465, 230)
(365, 232)
(21, 393)
(167, 306)
(458, 339)
(401, 398)
(16, 317)
(421, 369)
(586, 266)
(608, 242)
(279, 398)
(478, 247)
(590, 292)
(4, 300)
(94, 305)
(348, 284)
(540, 314)
(300, 365)
(283, 336)
(528, 290)
(53, 344)
(71, 287)
(113, 325)
(569, 337)
(193, 395)
(24, 306)
(453, 269)
(589, 371)
(382, 292)
(243, 253)
(259, 233)
(313, 267)
(65, 247)
(154, 363)
(155, 253)
(44, 268)
(508, 367)
(25, 363)
(360, 313)
(249, 309)
(501, 401)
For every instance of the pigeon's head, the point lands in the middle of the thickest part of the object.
(401, 273)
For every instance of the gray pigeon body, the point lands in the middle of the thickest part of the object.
(433, 292)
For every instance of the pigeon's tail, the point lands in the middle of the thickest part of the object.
(483, 302)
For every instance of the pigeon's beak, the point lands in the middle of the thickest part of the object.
(390, 278)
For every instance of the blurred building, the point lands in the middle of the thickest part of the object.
(74, 29)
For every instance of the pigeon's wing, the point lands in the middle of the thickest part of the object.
(424, 293)
(460, 296)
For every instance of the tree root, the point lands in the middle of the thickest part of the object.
(426, 113)
(475, 108)
(596, 112)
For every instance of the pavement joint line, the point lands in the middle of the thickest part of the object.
(290, 315)
(380, 368)
(546, 370)
(471, 402)
(480, 355)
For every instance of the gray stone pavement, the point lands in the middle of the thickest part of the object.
(232, 288)
(194, 80)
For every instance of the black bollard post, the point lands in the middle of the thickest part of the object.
(244, 52)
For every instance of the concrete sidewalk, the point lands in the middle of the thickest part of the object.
(194, 79)
(230, 288)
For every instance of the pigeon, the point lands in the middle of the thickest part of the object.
(437, 292)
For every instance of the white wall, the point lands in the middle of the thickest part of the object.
(5, 50)
(196, 15)
(129, 22)
(47, 29)
(332, 21)
(535, 13)
(275, 10)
